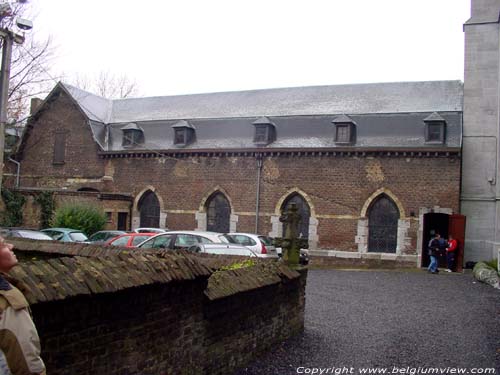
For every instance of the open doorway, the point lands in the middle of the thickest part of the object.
(445, 225)
(434, 222)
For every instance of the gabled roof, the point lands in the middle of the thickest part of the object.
(399, 97)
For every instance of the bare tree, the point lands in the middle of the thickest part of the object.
(29, 66)
(108, 85)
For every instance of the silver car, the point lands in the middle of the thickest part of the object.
(224, 249)
(259, 244)
(174, 240)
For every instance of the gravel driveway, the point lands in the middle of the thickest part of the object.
(407, 319)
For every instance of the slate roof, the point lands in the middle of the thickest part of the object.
(399, 97)
(386, 115)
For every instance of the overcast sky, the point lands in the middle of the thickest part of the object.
(191, 46)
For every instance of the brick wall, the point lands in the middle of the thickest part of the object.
(166, 329)
(153, 313)
(336, 187)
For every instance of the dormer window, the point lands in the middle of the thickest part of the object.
(435, 129)
(184, 133)
(345, 130)
(265, 131)
(133, 135)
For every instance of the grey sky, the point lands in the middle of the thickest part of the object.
(191, 46)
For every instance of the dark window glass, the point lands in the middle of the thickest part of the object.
(180, 136)
(343, 133)
(59, 147)
(218, 213)
(261, 135)
(132, 137)
(435, 132)
(122, 221)
(304, 211)
(138, 239)
(149, 206)
(383, 226)
(122, 241)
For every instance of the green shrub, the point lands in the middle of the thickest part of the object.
(14, 202)
(86, 218)
(493, 264)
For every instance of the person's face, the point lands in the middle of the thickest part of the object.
(7, 257)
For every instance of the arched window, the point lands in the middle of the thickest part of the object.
(383, 216)
(303, 210)
(149, 207)
(218, 213)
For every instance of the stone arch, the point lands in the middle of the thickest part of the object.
(390, 194)
(277, 209)
(136, 214)
(277, 226)
(208, 195)
(383, 218)
(202, 214)
(403, 223)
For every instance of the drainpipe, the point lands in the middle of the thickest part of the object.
(258, 157)
(18, 170)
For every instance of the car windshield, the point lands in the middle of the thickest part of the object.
(78, 236)
(227, 239)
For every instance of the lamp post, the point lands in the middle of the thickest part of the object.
(9, 37)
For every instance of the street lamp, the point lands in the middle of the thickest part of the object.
(9, 37)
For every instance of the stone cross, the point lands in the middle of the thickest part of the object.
(290, 243)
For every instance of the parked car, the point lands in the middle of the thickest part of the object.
(259, 244)
(225, 249)
(182, 239)
(104, 235)
(24, 233)
(149, 230)
(129, 239)
(66, 234)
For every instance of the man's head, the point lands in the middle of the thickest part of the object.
(438, 236)
(7, 257)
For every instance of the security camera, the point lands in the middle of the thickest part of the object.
(24, 24)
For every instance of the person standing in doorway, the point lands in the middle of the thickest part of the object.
(450, 253)
(19, 341)
(434, 249)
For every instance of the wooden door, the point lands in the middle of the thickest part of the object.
(456, 227)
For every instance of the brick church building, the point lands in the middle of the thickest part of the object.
(373, 168)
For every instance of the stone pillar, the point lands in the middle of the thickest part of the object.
(404, 241)
(313, 233)
(277, 227)
(233, 221)
(362, 237)
(201, 220)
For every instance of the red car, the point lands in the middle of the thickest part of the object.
(129, 239)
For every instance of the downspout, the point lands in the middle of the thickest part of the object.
(258, 157)
(18, 170)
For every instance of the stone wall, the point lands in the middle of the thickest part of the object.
(134, 312)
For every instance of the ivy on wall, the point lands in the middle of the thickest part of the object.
(13, 214)
(45, 200)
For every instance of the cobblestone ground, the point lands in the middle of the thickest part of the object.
(407, 320)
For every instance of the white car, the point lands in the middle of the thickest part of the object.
(149, 230)
(259, 244)
(224, 249)
(182, 240)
